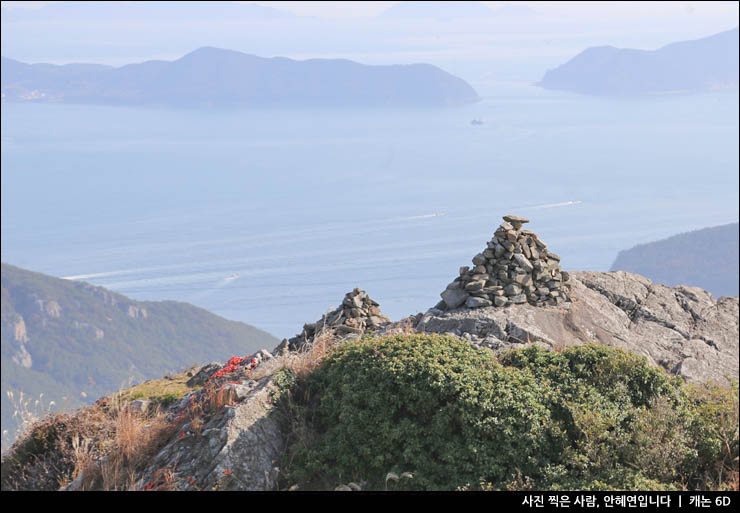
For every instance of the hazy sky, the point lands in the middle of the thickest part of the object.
(577, 9)
(515, 47)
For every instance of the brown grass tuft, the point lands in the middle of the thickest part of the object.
(302, 362)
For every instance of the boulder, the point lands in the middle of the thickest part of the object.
(683, 329)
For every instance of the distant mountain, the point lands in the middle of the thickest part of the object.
(149, 10)
(63, 338)
(688, 66)
(705, 258)
(212, 76)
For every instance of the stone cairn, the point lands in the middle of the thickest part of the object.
(352, 318)
(515, 268)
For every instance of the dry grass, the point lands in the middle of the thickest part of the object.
(27, 411)
(134, 441)
(302, 362)
(104, 445)
(55, 449)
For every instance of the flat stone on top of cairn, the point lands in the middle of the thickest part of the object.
(515, 268)
(516, 221)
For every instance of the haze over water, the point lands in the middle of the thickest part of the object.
(305, 205)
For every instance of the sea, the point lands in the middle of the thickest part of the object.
(270, 216)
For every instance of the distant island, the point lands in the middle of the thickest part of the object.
(706, 258)
(212, 76)
(704, 64)
(62, 338)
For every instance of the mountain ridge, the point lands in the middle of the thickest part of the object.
(215, 76)
(706, 258)
(703, 64)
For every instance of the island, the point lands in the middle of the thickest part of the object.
(212, 76)
(701, 65)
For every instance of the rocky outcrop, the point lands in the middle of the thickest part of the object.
(516, 268)
(237, 449)
(49, 307)
(356, 315)
(21, 355)
(683, 329)
(223, 436)
(137, 312)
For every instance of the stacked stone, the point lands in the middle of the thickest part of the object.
(357, 314)
(515, 268)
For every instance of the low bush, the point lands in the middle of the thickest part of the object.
(589, 417)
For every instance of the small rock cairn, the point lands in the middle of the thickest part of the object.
(515, 268)
(352, 318)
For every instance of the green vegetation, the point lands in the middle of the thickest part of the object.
(86, 339)
(162, 392)
(586, 418)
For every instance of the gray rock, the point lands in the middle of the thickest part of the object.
(376, 321)
(512, 289)
(477, 302)
(475, 285)
(140, 406)
(347, 330)
(500, 301)
(515, 219)
(523, 262)
(693, 334)
(244, 439)
(203, 374)
(454, 298)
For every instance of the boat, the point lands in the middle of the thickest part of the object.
(476, 122)
(233, 276)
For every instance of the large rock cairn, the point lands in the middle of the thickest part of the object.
(357, 314)
(515, 268)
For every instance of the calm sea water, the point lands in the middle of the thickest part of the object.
(306, 205)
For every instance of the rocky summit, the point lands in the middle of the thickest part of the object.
(352, 318)
(683, 329)
(515, 268)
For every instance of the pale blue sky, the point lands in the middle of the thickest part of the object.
(507, 48)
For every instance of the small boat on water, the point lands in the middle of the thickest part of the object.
(233, 276)
(476, 122)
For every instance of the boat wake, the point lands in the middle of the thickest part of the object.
(562, 204)
(425, 216)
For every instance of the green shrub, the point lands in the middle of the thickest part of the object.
(588, 418)
(426, 404)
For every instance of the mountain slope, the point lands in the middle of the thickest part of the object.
(706, 258)
(62, 338)
(212, 76)
(687, 66)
